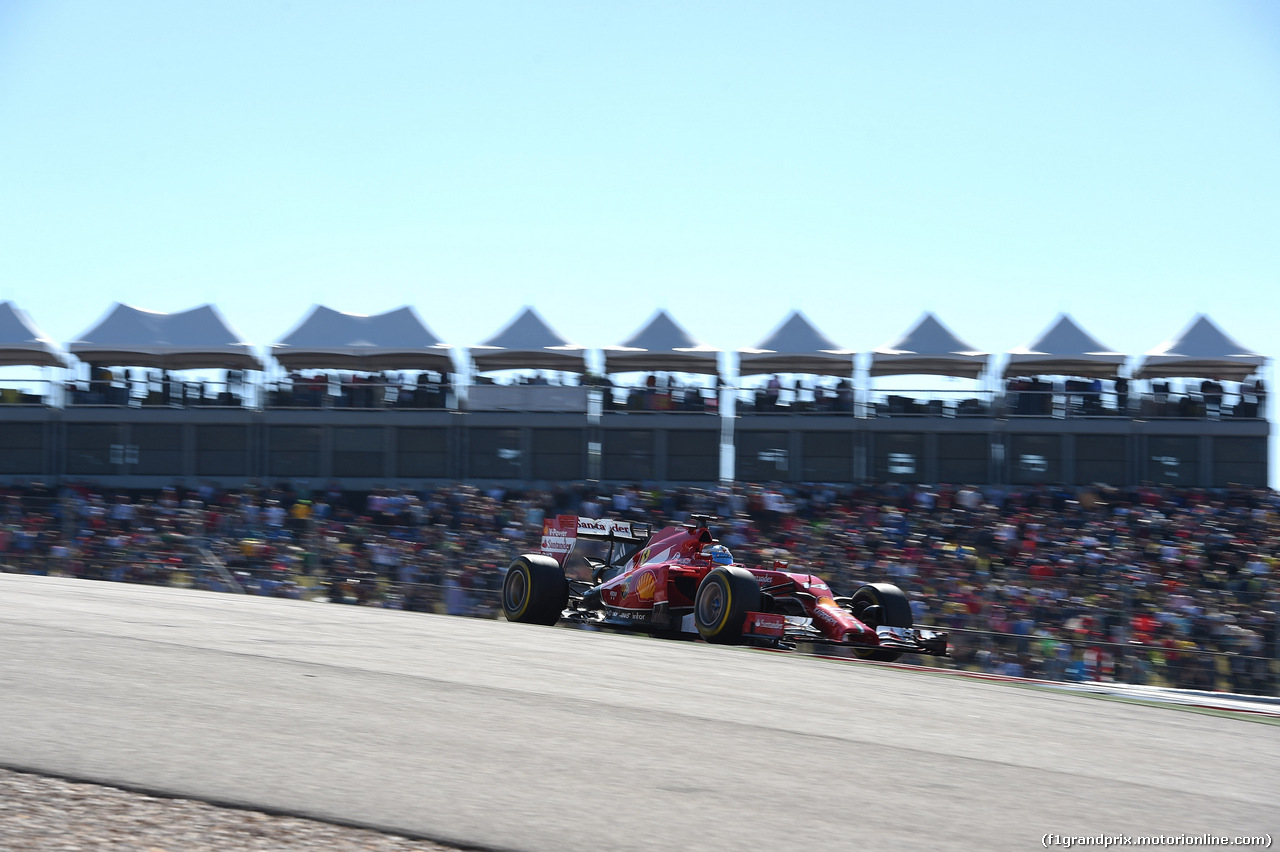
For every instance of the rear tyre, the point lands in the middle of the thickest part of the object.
(724, 598)
(535, 590)
(880, 605)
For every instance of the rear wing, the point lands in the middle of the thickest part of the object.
(560, 533)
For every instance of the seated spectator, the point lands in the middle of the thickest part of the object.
(1173, 587)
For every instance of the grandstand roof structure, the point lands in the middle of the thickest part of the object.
(22, 343)
(929, 348)
(1201, 351)
(528, 343)
(1064, 349)
(796, 346)
(661, 345)
(331, 340)
(196, 339)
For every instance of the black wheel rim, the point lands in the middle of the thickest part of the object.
(711, 604)
(869, 611)
(517, 588)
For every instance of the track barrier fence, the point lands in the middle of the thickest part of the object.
(1072, 658)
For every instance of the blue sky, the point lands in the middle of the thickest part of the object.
(993, 162)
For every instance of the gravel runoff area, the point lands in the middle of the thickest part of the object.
(42, 814)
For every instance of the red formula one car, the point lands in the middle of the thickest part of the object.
(679, 583)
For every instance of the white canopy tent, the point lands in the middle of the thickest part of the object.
(1201, 351)
(661, 345)
(331, 340)
(528, 343)
(1064, 349)
(796, 347)
(22, 343)
(929, 348)
(197, 339)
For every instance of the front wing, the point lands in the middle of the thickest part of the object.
(908, 640)
(767, 626)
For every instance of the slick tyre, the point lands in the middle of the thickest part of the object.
(877, 605)
(535, 590)
(724, 598)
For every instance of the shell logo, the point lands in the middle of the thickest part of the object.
(646, 586)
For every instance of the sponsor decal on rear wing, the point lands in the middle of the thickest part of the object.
(607, 528)
(559, 533)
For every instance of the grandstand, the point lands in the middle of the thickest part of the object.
(367, 401)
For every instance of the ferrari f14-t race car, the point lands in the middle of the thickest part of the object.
(679, 583)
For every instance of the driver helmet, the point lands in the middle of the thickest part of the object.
(718, 554)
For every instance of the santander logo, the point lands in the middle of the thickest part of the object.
(594, 526)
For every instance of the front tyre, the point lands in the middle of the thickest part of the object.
(724, 598)
(535, 590)
(880, 605)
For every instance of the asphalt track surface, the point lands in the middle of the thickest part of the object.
(504, 736)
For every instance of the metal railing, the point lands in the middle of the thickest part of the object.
(334, 392)
(928, 403)
(1071, 399)
(689, 400)
(30, 392)
(158, 392)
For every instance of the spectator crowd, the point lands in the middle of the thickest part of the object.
(1150, 585)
